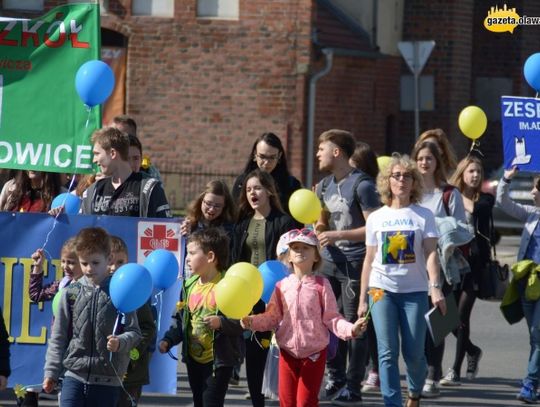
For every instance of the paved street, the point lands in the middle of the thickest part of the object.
(505, 355)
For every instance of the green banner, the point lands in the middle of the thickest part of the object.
(44, 125)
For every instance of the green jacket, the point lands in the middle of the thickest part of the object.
(137, 372)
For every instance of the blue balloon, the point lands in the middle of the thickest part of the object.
(130, 287)
(272, 271)
(72, 203)
(94, 82)
(531, 70)
(163, 268)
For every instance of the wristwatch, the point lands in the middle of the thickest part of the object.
(434, 285)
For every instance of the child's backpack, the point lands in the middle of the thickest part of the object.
(333, 343)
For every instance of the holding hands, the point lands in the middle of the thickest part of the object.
(246, 322)
(359, 327)
(163, 346)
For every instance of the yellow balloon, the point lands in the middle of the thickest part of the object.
(305, 207)
(231, 298)
(383, 161)
(251, 275)
(472, 122)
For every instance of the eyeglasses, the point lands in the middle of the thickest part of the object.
(305, 231)
(212, 205)
(263, 157)
(402, 175)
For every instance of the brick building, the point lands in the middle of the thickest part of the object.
(205, 77)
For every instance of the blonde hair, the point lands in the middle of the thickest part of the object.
(408, 165)
(457, 177)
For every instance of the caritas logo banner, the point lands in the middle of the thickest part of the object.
(158, 235)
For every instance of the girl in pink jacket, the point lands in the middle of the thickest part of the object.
(302, 309)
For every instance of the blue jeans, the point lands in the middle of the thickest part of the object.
(344, 279)
(400, 313)
(531, 310)
(78, 394)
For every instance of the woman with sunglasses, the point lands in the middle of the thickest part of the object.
(261, 222)
(443, 200)
(401, 259)
(268, 155)
(302, 310)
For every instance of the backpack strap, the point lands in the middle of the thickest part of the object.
(447, 193)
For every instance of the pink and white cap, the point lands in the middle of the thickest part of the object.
(305, 235)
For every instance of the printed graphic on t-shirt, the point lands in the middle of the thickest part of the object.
(398, 247)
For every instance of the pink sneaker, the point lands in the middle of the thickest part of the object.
(372, 384)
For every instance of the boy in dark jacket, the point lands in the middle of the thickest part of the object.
(211, 342)
(137, 373)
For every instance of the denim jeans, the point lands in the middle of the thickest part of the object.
(78, 394)
(344, 279)
(531, 310)
(395, 314)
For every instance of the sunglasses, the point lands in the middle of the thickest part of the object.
(402, 175)
(305, 232)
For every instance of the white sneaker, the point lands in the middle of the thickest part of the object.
(430, 390)
(372, 384)
(451, 379)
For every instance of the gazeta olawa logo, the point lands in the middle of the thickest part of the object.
(505, 19)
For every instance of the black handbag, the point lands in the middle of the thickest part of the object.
(494, 278)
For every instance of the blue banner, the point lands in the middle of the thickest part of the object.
(521, 132)
(29, 324)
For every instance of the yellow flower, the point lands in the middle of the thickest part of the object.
(376, 294)
(146, 162)
(20, 391)
(265, 343)
(180, 306)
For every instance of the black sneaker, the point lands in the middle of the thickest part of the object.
(473, 362)
(30, 399)
(346, 398)
(332, 388)
(235, 379)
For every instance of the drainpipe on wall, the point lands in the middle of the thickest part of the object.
(329, 54)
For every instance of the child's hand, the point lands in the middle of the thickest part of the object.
(113, 343)
(213, 322)
(38, 258)
(56, 211)
(163, 346)
(246, 322)
(360, 326)
(48, 384)
(185, 228)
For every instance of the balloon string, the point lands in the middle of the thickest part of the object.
(160, 301)
(70, 188)
(114, 330)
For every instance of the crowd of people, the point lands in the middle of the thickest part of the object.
(379, 229)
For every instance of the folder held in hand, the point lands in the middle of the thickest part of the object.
(440, 325)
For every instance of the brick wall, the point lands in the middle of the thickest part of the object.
(202, 90)
(450, 24)
(359, 94)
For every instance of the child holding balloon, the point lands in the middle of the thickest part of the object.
(302, 309)
(137, 373)
(210, 341)
(94, 361)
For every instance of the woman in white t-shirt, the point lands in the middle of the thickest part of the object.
(401, 238)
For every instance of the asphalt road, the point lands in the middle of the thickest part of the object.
(503, 365)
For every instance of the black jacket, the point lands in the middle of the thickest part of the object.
(277, 223)
(484, 233)
(5, 369)
(227, 340)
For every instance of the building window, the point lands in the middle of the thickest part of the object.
(34, 5)
(226, 9)
(157, 8)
